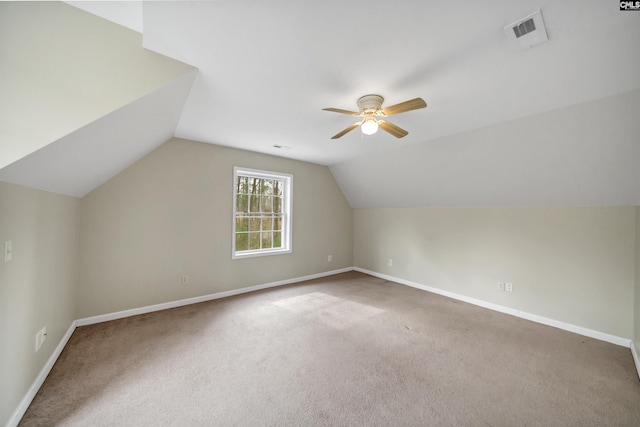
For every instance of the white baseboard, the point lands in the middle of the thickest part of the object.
(625, 342)
(31, 393)
(173, 304)
(636, 357)
(26, 401)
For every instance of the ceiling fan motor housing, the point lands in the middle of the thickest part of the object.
(370, 103)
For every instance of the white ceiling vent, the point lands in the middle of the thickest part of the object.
(527, 32)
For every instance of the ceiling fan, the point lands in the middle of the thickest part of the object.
(370, 107)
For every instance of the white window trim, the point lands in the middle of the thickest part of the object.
(286, 209)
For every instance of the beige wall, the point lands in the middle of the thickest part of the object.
(37, 287)
(127, 243)
(65, 68)
(171, 214)
(636, 312)
(574, 265)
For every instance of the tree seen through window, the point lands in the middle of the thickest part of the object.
(259, 213)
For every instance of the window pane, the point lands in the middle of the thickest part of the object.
(243, 185)
(254, 204)
(277, 239)
(277, 188)
(267, 204)
(267, 223)
(254, 223)
(277, 204)
(254, 241)
(277, 223)
(267, 187)
(242, 241)
(253, 185)
(256, 188)
(242, 203)
(242, 224)
(266, 240)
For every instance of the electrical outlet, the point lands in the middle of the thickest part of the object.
(508, 287)
(501, 286)
(330, 258)
(185, 279)
(390, 262)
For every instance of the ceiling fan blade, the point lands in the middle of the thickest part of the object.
(412, 104)
(394, 130)
(338, 110)
(347, 130)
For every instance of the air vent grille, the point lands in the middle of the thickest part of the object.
(524, 28)
(527, 32)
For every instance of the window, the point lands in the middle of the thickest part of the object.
(261, 213)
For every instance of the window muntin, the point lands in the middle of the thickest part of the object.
(261, 213)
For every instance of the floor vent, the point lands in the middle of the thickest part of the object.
(527, 32)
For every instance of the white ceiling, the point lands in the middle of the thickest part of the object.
(126, 13)
(267, 68)
(583, 155)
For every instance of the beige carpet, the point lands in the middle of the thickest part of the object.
(348, 350)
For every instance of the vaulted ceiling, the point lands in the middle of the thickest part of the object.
(85, 100)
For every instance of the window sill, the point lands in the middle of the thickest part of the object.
(253, 254)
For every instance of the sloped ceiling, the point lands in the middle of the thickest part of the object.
(65, 73)
(583, 155)
(267, 68)
(82, 160)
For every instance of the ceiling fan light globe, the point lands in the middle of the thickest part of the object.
(369, 127)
